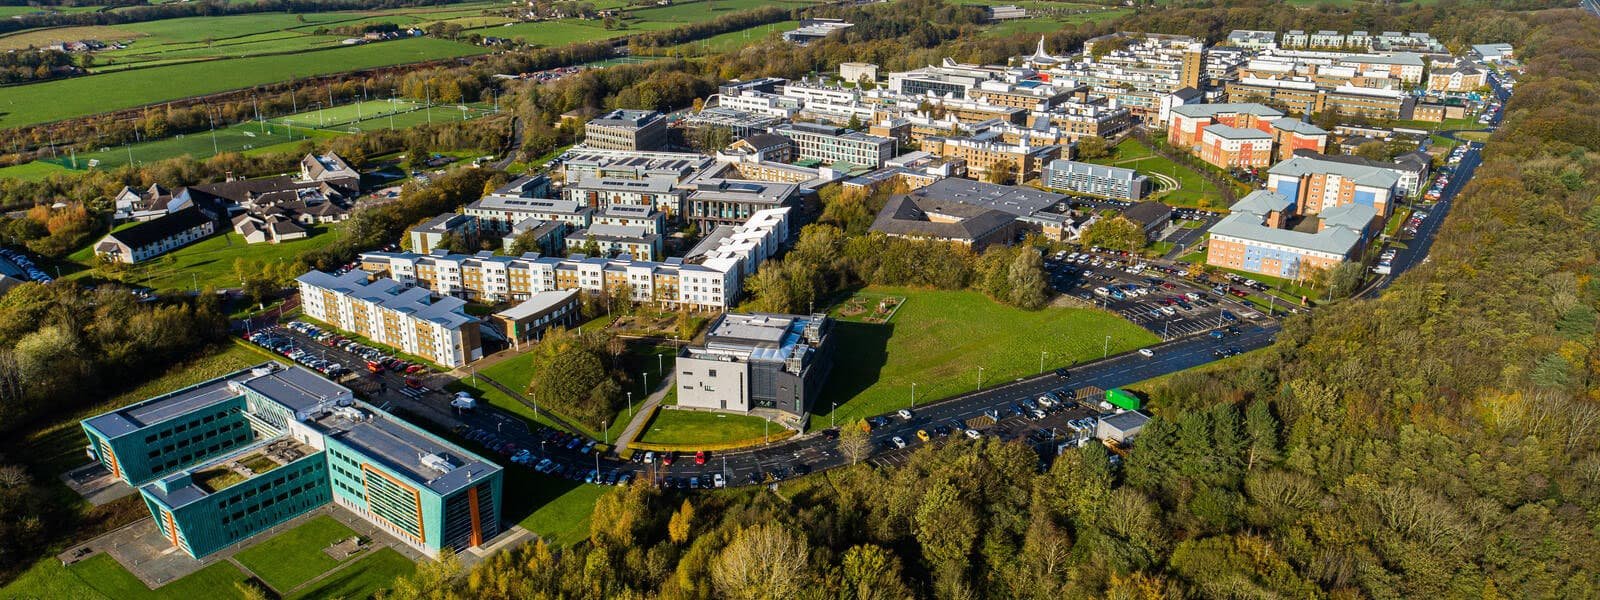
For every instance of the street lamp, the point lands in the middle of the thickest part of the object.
(913, 394)
(1105, 349)
(1042, 354)
(630, 405)
(980, 379)
(835, 409)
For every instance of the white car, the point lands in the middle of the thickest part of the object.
(973, 434)
(905, 414)
(898, 441)
(717, 481)
(1146, 352)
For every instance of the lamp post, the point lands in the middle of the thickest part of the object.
(980, 379)
(913, 394)
(835, 409)
(1105, 349)
(630, 405)
(604, 433)
(1042, 354)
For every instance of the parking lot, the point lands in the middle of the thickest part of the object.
(1159, 297)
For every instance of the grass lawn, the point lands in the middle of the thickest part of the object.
(78, 96)
(295, 556)
(102, 576)
(1193, 190)
(689, 427)
(209, 262)
(697, 11)
(939, 339)
(558, 510)
(362, 579)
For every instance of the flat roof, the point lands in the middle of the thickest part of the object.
(404, 450)
(160, 408)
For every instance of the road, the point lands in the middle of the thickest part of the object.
(813, 451)
(1420, 244)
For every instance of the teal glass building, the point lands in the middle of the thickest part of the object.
(223, 460)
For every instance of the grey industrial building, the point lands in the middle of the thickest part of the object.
(757, 361)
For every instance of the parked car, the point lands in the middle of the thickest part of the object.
(1147, 353)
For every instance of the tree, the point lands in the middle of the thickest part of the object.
(1026, 282)
(682, 521)
(590, 247)
(869, 572)
(855, 442)
(1373, 150)
(854, 124)
(1003, 172)
(1093, 147)
(1116, 233)
(1344, 279)
(763, 562)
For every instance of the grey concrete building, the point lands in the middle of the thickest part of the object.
(757, 361)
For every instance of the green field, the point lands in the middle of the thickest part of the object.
(32, 171)
(304, 544)
(1033, 26)
(54, 100)
(688, 427)
(208, 262)
(735, 40)
(938, 339)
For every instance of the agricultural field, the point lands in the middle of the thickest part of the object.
(54, 100)
(938, 339)
(1037, 25)
(34, 38)
(735, 40)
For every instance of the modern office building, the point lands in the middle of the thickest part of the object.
(1227, 147)
(739, 123)
(625, 129)
(757, 361)
(830, 145)
(223, 460)
(386, 312)
(1096, 180)
(715, 201)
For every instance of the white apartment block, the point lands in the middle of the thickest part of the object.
(709, 279)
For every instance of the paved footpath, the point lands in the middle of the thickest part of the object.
(642, 416)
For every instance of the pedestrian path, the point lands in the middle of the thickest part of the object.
(642, 416)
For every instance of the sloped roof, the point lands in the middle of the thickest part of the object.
(150, 232)
(908, 215)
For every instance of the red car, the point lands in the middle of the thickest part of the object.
(700, 457)
(666, 459)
